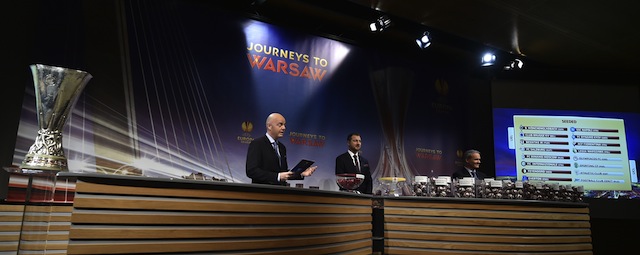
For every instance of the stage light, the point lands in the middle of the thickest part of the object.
(382, 23)
(488, 59)
(424, 41)
(514, 64)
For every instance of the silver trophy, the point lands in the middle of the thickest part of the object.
(56, 89)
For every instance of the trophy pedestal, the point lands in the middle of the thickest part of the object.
(34, 190)
(38, 194)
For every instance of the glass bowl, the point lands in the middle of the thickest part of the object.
(349, 182)
(391, 186)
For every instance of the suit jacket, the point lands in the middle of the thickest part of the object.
(344, 165)
(463, 172)
(262, 162)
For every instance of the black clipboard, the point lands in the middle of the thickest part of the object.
(302, 165)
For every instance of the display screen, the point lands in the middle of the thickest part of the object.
(596, 150)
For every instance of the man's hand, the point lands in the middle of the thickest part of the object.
(309, 171)
(285, 175)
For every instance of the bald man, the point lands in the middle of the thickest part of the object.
(267, 157)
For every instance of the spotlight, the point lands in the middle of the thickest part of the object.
(514, 64)
(424, 41)
(488, 59)
(382, 23)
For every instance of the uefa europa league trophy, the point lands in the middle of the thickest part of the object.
(56, 90)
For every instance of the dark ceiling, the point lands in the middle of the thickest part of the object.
(585, 35)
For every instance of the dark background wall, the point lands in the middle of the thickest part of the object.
(72, 34)
(87, 35)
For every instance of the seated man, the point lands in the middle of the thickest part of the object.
(471, 165)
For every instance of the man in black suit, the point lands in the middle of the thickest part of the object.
(267, 158)
(471, 165)
(352, 162)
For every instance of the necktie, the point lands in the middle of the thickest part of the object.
(473, 173)
(355, 157)
(275, 147)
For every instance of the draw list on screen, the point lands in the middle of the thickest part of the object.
(591, 152)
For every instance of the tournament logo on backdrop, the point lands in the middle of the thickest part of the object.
(442, 87)
(441, 105)
(247, 127)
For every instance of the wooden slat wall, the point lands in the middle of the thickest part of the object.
(110, 219)
(118, 215)
(10, 224)
(424, 226)
(44, 229)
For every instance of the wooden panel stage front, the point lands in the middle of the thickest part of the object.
(142, 215)
(112, 214)
(449, 226)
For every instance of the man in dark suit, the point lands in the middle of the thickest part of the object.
(267, 157)
(471, 166)
(352, 162)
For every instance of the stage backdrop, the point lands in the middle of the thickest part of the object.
(201, 83)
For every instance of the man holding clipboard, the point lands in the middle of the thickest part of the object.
(267, 158)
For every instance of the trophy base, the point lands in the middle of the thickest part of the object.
(35, 162)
